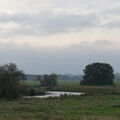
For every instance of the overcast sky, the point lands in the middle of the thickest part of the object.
(59, 36)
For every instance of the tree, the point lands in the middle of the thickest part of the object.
(49, 80)
(98, 74)
(39, 78)
(10, 77)
(53, 80)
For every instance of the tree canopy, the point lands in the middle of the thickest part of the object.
(48, 80)
(98, 74)
(10, 77)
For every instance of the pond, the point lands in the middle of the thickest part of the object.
(56, 94)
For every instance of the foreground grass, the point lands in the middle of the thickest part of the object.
(64, 108)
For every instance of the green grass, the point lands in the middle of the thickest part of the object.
(63, 83)
(68, 82)
(117, 83)
(64, 108)
(32, 83)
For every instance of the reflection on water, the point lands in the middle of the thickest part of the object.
(56, 94)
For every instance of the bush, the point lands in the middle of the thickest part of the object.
(48, 81)
(32, 92)
(24, 89)
(41, 92)
(36, 91)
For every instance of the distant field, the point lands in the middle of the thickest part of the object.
(32, 83)
(69, 82)
(62, 82)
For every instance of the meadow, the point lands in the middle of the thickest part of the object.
(35, 83)
(100, 103)
(60, 82)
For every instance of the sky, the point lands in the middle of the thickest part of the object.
(59, 36)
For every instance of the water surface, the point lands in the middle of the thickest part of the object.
(56, 94)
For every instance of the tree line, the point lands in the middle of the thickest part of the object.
(59, 77)
(11, 77)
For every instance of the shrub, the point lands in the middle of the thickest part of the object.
(40, 92)
(32, 92)
(48, 81)
(36, 91)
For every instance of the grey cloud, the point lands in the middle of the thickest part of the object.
(113, 11)
(48, 22)
(113, 24)
(103, 42)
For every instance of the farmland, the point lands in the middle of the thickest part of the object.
(64, 108)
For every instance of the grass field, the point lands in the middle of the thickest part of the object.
(63, 82)
(106, 107)
(100, 103)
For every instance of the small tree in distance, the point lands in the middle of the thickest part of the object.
(48, 81)
(98, 74)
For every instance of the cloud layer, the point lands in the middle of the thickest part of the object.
(30, 18)
(58, 36)
(45, 23)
